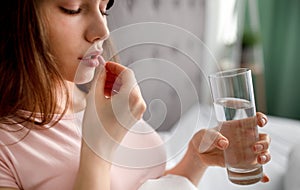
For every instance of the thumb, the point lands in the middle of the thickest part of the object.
(122, 79)
(98, 83)
(209, 139)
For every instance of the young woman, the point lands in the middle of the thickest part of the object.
(42, 45)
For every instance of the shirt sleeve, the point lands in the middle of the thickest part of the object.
(6, 177)
(168, 182)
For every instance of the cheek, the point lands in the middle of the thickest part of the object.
(64, 39)
(63, 47)
(67, 63)
(68, 71)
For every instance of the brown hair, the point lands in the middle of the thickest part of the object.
(29, 77)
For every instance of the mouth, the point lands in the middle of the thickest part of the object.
(92, 59)
(91, 55)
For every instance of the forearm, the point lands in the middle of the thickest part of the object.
(190, 167)
(93, 173)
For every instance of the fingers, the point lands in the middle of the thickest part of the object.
(264, 158)
(261, 149)
(265, 178)
(96, 86)
(262, 119)
(119, 79)
(263, 143)
(112, 85)
(121, 85)
(115, 77)
(209, 139)
(115, 68)
(111, 79)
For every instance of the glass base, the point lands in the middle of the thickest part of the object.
(245, 177)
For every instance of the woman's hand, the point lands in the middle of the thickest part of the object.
(118, 98)
(210, 143)
(114, 105)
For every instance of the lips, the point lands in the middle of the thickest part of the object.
(93, 59)
(90, 62)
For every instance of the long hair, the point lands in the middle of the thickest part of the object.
(29, 78)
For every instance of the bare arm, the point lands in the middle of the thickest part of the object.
(103, 126)
(94, 172)
(189, 167)
(204, 150)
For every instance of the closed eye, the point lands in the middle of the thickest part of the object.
(104, 13)
(70, 11)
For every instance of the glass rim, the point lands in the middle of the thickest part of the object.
(229, 73)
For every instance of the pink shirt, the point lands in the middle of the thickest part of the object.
(49, 158)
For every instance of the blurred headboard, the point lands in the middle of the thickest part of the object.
(169, 73)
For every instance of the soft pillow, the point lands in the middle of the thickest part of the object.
(291, 179)
(169, 182)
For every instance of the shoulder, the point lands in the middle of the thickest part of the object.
(11, 133)
(9, 136)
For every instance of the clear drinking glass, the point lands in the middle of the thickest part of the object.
(234, 104)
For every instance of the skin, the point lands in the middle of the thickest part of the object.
(213, 154)
(71, 35)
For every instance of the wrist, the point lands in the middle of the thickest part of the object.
(88, 157)
(93, 172)
(190, 166)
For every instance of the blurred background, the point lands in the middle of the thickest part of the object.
(279, 36)
(261, 35)
(173, 45)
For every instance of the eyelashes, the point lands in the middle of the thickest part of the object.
(70, 11)
(110, 4)
(104, 13)
(75, 12)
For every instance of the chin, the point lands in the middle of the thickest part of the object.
(84, 74)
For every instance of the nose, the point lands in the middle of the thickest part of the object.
(97, 28)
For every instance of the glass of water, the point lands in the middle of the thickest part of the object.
(234, 104)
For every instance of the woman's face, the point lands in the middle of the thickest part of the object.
(73, 27)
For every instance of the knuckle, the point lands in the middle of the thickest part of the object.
(130, 72)
(142, 107)
(138, 104)
(266, 146)
(134, 99)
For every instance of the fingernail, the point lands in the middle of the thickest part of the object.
(222, 143)
(258, 147)
(265, 179)
(263, 158)
(262, 121)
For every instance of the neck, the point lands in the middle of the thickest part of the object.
(77, 101)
